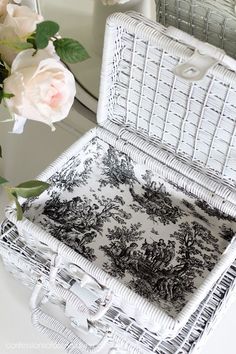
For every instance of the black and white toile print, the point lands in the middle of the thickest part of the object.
(152, 236)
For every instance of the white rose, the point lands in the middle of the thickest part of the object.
(20, 21)
(43, 88)
(3, 7)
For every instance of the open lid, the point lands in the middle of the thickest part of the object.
(193, 116)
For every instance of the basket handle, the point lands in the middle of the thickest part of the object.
(56, 331)
(80, 305)
(74, 299)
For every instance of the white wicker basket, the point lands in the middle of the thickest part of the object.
(213, 21)
(159, 171)
(124, 333)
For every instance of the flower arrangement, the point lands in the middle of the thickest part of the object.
(34, 82)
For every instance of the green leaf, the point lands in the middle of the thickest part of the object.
(70, 50)
(8, 95)
(19, 210)
(3, 180)
(3, 73)
(30, 189)
(1, 95)
(11, 119)
(20, 45)
(31, 40)
(26, 190)
(5, 95)
(44, 31)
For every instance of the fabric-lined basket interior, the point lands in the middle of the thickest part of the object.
(133, 224)
(197, 327)
(145, 231)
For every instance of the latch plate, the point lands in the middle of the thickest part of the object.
(196, 67)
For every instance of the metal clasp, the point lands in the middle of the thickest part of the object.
(205, 56)
(196, 67)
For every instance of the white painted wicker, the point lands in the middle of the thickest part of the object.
(121, 331)
(182, 131)
(213, 21)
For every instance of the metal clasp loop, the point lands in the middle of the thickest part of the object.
(205, 56)
(196, 67)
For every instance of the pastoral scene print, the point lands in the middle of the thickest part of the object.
(145, 231)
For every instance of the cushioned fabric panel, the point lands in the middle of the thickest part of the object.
(155, 238)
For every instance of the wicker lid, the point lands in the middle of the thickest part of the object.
(196, 121)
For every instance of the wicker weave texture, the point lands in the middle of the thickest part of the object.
(195, 121)
(211, 21)
(33, 263)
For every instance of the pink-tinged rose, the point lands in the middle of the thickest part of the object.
(3, 7)
(19, 23)
(43, 88)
